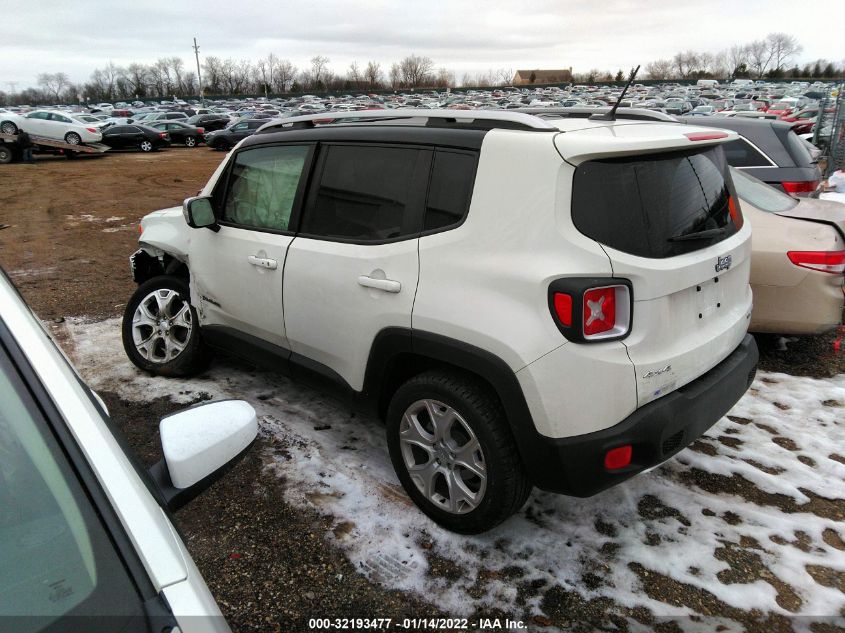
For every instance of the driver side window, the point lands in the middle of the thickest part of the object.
(263, 185)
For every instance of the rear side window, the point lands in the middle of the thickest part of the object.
(450, 189)
(740, 153)
(368, 194)
(658, 205)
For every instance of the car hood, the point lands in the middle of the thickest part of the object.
(824, 211)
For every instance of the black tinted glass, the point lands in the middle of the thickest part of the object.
(450, 189)
(740, 153)
(367, 193)
(643, 204)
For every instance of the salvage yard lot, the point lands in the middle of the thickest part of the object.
(745, 527)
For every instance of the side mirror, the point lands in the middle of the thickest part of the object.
(200, 444)
(199, 213)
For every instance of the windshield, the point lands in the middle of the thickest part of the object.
(760, 195)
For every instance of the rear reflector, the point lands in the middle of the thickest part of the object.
(825, 261)
(563, 308)
(619, 457)
(599, 310)
(705, 136)
(806, 186)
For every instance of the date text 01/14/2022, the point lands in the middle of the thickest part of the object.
(414, 624)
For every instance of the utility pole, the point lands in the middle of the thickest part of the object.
(199, 76)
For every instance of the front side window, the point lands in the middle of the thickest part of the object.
(263, 185)
(368, 193)
(57, 560)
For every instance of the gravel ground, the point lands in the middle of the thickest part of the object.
(272, 565)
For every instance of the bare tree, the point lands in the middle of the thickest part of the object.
(284, 72)
(178, 67)
(737, 58)
(445, 78)
(395, 76)
(660, 69)
(53, 83)
(373, 74)
(759, 57)
(353, 75)
(319, 67)
(213, 73)
(782, 47)
(686, 63)
(416, 70)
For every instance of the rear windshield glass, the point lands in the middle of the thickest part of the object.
(761, 195)
(657, 205)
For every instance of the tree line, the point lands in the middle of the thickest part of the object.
(169, 77)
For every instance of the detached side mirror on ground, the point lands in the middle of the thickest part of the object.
(200, 444)
(199, 213)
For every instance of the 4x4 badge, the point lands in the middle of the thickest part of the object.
(723, 263)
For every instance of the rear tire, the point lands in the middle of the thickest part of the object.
(6, 155)
(72, 138)
(146, 146)
(450, 431)
(160, 329)
(190, 141)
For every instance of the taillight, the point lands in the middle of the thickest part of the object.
(93, 130)
(591, 309)
(825, 261)
(806, 186)
(163, 135)
(599, 311)
(735, 213)
(200, 130)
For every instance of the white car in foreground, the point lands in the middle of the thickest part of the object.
(86, 542)
(51, 124)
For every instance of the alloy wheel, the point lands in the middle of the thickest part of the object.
(161, 326)
(443, 456)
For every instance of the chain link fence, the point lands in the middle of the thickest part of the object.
(829, 133)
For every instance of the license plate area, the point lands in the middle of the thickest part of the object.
(708, 298)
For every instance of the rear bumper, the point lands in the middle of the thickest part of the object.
(656, 431)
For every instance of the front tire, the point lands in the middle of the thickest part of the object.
(160, 329)
(6, 155)
(7, 127)
(453, 451)
(72, 138)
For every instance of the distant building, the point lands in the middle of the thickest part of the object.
(528, 77)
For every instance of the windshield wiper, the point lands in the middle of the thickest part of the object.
(698, 235)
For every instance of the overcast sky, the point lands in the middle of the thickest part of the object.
(462, 35)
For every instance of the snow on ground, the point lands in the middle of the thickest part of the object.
(785, 437)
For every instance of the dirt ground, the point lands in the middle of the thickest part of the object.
(71, 226)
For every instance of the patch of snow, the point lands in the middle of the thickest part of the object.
(345, 472)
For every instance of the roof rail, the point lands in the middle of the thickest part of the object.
(637, 114)
(488, 119)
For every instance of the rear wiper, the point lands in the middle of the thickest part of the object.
(698, 235)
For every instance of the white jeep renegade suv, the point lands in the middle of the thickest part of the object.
(526, 301)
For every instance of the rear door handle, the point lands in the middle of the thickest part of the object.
(388, 285)
(262, 262)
